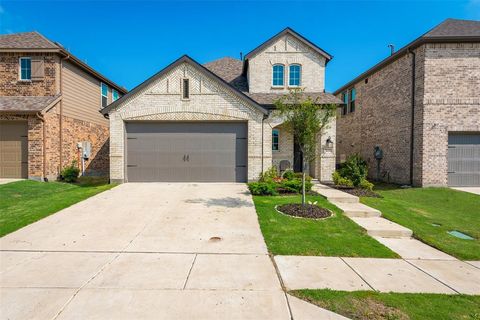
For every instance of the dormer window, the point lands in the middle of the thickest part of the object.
(295, 75)
(278, 75)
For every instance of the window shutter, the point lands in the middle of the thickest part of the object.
(38, 69)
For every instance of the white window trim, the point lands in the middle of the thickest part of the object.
(278, 137)
(300, 78)
(20, 69)
(101, 94)
(277, 86)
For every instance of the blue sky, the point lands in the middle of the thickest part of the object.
(129, 41)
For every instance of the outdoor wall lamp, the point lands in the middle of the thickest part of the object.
(329, 143)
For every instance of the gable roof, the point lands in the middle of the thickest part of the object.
(230, 70)
(182, 59)
(36, 42)
(296, 35)
(450, 30)
(26, 40)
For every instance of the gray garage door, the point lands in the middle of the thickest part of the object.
(186, 151)
(13, 149)
(464, 159)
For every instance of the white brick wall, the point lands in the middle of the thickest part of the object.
(286, 50)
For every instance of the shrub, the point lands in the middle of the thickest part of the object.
(263, 188)
(288, 175)
(269, 175)
(70, 173)
(354, 169)
(365, 184)
(341, 181)
(295, 185)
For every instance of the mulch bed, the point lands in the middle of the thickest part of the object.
(357, 192)
(307, 211)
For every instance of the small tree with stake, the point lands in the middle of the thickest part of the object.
(305, 118)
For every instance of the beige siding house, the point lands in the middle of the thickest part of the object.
(216, 122)
(49, 104)
(421, 107)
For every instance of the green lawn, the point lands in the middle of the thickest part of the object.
(25, 202)
(370, 305)
(419, 208)
(334, 236)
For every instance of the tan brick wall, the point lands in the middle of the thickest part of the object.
(286, 50)
(10, 85)
(383, 117)
(451, 103)
(447, 99)
(285, 147)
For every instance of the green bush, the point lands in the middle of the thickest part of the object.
(354, 169)
(269, 175)
(295, 185)
(263, 188)
(70, 173)
(341, 181)
(365, 184)
(288, 175)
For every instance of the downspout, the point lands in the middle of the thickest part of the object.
(60, 147)
(412, 119)
(44, 145)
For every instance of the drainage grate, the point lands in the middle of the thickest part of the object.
(460, 235)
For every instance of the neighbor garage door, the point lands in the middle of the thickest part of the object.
(13, 149)
(186, 151)
(464, 159)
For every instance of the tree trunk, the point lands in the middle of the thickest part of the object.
(304, 173)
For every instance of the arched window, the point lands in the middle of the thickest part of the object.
(278, 75)
(295, 75)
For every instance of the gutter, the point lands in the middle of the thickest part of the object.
(412, 118)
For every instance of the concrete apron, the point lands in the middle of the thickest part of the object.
(145, 251)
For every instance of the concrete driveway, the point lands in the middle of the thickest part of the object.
(163, 251)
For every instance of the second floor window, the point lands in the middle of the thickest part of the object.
(185, 89)
(345, 102)
(278, 71)
(104, 89)
(114, 95)
(25, 69)
(295, 75)
(275, 135)
(353, 93)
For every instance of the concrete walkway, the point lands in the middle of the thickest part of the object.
(474, 190)
(384, 275)
(7, 180)
(146, 251)
(392, 235)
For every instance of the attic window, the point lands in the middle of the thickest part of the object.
(186, 89)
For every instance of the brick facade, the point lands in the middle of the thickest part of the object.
(445, 100)
(74, 130)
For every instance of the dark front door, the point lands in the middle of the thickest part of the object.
(187, 151)
(297, 158)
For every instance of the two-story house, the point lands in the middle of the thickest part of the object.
(49, 106)
(421, 107)
(216, 122)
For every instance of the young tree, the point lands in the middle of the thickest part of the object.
(305, 118)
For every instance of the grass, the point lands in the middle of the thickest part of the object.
(419, 208)
(334, 236)
(24, 202)
(399, 306)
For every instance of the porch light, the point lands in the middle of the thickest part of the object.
(329, 143)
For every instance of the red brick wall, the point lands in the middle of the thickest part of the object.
(10, 85)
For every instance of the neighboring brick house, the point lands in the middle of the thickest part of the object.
(49, 102)
(216, 122)
(421, 106)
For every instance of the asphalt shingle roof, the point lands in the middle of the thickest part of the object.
(25, 104)
(26, 40)
(454, 28)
